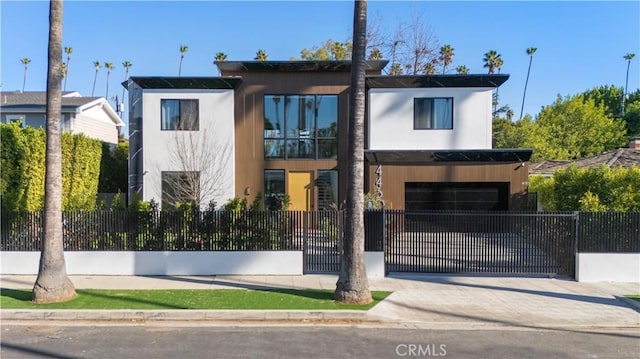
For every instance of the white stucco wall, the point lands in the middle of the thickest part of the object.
(608, 267)
(374, 262)
(162, 263)
(391, 120)
(215, 137)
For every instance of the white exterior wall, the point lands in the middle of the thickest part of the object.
(95, 123)
(391, 120)
(216, 128)
(162, 263)
(608, 267)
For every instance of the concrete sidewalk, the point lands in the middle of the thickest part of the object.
(423, 301)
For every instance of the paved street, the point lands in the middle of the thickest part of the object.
(153, 341)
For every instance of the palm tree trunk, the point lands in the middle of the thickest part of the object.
(24, 80)
(180, 66)
(524, 94)
(107, 92)
(53, 284)
(624, 92)
(65, 78)
(353, 285)
(95, 78)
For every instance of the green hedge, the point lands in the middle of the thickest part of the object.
(23, 169)
(591, 190)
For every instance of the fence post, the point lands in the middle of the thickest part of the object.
(576, 239)
(384, 239)
(305, 242)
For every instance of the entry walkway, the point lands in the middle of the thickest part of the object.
(420, 301)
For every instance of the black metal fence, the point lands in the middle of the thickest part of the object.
(480, 242)
(158, 231)
(513, 242)
(617, 232)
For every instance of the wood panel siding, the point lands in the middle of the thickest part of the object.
(394, 178)
(249, 126)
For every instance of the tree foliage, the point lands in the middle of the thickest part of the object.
(589, 189)
(23, 169)
(114, 168)
(570, 128)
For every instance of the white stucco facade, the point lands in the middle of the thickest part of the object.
(209, 150)
(391, 119)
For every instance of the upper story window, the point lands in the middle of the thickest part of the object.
(179, 115)
(433, 113)
(301, 126)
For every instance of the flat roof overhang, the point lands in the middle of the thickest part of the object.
(422, 157)
(199, 83)
(438, 81)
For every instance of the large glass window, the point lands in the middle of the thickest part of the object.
(179, 115)
(273, 189)
(301, 126)
(433, 113)
(180, 188)
(327, 190)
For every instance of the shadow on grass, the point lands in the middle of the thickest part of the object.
(25, 296)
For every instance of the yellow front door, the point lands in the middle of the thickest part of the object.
(299, 189)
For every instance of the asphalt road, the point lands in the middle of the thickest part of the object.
(157, 341)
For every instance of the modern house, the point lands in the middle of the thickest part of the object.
(91, 116)
(279, 128)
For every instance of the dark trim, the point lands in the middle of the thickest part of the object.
(420, 157)
(489, 80)
(200, 83)
(296, 66)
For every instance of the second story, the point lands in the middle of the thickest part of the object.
(91, 116)
(437, 112)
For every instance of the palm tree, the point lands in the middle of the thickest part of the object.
(25, 61)
(627, 57)
(126, 64)
(52, 284)
(109, 66)
(221, 56)
(375, 54)
(352, 285)
(462, 70)
(68, 51)
(396, 69)
(490, 59)
(97, 65)
(446, 57)
(530, 52)
(261, 55)
(183, 50)
(429, 68)
(63, 67)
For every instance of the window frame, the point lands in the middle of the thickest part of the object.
(433, 99)
(196, 101)
(16, 117)
(284, 139)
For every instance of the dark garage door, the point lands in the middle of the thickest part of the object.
(468, 196)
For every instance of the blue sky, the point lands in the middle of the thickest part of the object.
(580, 44)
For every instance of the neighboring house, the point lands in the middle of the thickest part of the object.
(91, 116)
(622, 157)
(287, 124)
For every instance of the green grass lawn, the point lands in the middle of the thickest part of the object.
(634, 297)
(283, 299)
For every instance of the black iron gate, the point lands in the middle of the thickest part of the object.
(480, 242)
(322, 237)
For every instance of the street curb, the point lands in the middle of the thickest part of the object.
(133, 315)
